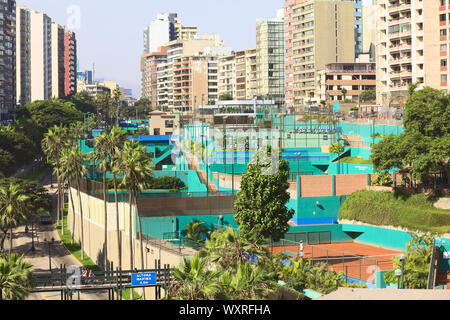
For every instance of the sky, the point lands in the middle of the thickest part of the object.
(110, 32)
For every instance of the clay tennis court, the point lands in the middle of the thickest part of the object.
(355, 259)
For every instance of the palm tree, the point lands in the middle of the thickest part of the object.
(194, 280)
(12, 208)
(229, 249)
(100, 155)
(195, 230)
(72, 161)
(15, 278)
(52, 144)
(248, 283)
(136, 167)
(116, 139)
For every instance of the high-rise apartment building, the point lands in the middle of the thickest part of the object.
(184, 32)
(270, 57)
(187, 48)
(316, 34)
(46, 60)
(8, 57)
(70, 63)
(34, 67)
(227, 75)
(58, 61)
(149, 69)
(160, 31)
(411, 47)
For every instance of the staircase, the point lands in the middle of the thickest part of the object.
(160, 156)
(354, 141)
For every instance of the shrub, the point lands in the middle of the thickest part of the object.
(383, 179)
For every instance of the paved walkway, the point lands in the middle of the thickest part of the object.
(22, 244)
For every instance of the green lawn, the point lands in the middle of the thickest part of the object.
(356, 160)
(415, 212)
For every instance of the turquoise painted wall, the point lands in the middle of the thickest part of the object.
(387, 238)
(337, 235)
(308, 212)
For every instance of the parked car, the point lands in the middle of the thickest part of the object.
(46, 219)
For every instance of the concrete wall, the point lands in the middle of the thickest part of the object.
(94, 232)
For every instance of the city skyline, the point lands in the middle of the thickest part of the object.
(96, 39)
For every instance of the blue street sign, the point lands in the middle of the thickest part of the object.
(143, 279)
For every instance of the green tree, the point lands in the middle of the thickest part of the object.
(225, 96)
(227, 249)
(424, 146)
(136, 168)
(368, 95)
(417, 262)
(344, 93)
(73, 161)
(336, 148)
(38, 200)
(194, 280)
(13, 211)
(7, 162)
(116, 140)
(101, 158)
(55, 140)
(195, 230)
(261, 202)
(16, 279)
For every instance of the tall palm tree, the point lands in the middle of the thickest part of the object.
(12, 208)
(136, 167)
(116, 139)
(100, 156)
(52, 144)
(194, 280)
(15, 278)
(73, 162)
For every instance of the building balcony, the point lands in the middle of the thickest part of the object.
(392, 22)
(401, 74)
(401, 47)
(406, 60)
(399, 8)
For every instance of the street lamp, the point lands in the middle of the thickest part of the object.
(402, 259)
(298, 154)
(398, 274)
(49, 253)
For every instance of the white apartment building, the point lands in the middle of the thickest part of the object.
(408, 46)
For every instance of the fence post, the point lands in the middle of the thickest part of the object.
(312, 254)
(343, 262)
(346, 275)
(327, 259)
(360, 276)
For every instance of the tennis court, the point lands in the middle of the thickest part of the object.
(356, 260)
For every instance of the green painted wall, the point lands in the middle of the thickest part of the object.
(387, 238)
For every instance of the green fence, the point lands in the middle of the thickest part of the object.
(351, 265)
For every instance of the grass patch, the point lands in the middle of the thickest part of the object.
(356, 160)
(415, 212)
(126, 294)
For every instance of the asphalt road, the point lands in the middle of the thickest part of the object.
(22, 244)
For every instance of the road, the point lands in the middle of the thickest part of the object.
(22, 244)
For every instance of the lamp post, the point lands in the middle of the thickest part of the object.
(50, 242)
(298, 154)
(398, 274)
(402, 259)
(33, 249)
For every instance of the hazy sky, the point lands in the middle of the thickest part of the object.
(110, 32)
